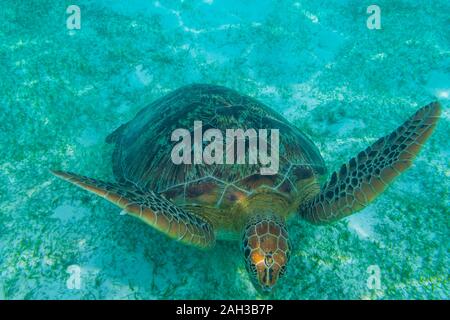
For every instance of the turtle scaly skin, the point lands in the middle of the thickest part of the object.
(197, 204)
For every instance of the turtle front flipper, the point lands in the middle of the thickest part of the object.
(151, 208)
(365, 176)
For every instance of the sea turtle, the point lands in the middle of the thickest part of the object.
(199, 203)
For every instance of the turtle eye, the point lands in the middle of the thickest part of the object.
(253, 269)
(244, 242)
(249, 264)
(282, 270)
(247, 252)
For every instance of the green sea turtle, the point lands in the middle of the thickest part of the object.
(199, 203)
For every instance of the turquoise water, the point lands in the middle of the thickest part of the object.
(63, 91)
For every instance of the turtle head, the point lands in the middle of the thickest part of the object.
(266, 249)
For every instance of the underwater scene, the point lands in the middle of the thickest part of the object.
(98, 89)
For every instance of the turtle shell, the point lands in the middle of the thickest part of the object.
(143, 146)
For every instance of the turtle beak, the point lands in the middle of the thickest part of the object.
(268, 273)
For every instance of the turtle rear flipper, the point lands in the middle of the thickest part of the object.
(151, 208)
(365, 176)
